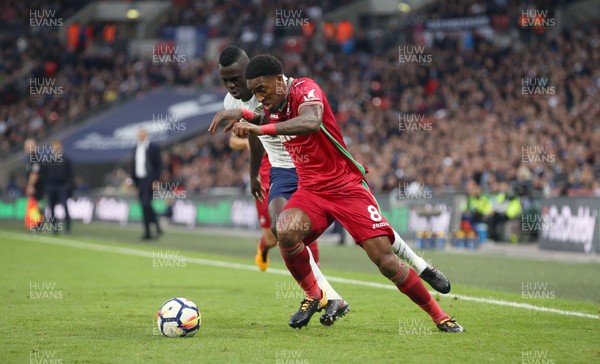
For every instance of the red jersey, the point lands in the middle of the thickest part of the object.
(321, 159)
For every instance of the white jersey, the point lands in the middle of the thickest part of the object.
(278, 155)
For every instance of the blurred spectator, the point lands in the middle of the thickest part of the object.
(58, 183)
(477, 209)
(505, 206)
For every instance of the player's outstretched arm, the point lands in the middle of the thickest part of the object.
(308, 121)
(236, 143)
(232, 116)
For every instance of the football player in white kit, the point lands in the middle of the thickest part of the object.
(236, 98)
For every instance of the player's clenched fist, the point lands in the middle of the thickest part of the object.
(242, 130)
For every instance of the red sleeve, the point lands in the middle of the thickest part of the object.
(306, 92)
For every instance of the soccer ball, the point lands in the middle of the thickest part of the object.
(178, 317)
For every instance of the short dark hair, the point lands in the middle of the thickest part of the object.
(263, 65)
(231, 55)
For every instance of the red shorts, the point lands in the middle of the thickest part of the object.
(354, 207)
(262, 208)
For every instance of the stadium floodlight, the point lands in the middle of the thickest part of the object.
(133, 13)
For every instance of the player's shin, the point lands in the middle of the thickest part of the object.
(409, 283)
(297, 260)
(321, 280)
(404, 252)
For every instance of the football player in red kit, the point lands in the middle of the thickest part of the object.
(331, 185)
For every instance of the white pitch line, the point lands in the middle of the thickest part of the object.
(222, 264)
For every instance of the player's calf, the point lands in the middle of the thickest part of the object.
(407, 281)
(378, 250)
(436, 278)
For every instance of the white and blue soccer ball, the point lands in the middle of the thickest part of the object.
(178, 317)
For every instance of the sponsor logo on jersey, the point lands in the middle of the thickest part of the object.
(286, 138)
(380, 224)
(311, 96)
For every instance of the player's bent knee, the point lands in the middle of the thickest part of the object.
(292, 227)
(288, 237)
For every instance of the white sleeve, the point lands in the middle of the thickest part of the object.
(258, 109)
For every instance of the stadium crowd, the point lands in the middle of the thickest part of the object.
(475, 121)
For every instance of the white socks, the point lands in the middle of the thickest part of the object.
(405, 253)
(399, 247)
(322, 281)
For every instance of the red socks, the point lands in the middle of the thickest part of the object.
(314, 249)
(297, 261)
(416, 291)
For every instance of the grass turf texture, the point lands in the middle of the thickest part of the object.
(108, 302)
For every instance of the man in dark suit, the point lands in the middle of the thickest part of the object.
(58, 183)
(146, 170)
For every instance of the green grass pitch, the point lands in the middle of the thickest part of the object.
(92, 298)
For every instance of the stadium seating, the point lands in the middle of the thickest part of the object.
(471, 98)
